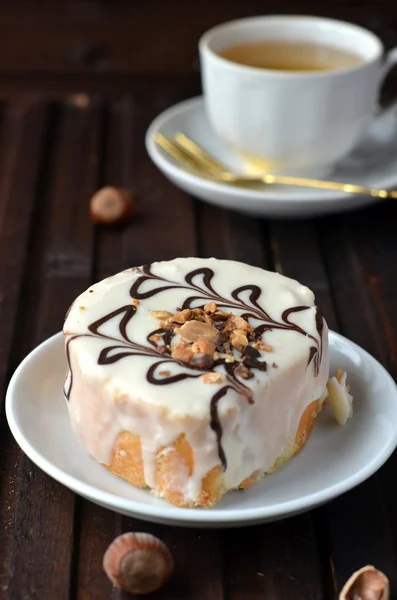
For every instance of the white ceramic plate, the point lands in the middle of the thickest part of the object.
(334, 460)
(374, 163)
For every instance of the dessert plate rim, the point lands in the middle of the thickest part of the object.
(168, 514)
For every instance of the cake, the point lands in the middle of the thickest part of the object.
(193, 377)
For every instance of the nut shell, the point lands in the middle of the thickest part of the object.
(111, 206)
(366, 584)
(138, 563)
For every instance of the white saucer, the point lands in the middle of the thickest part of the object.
(334, 460)
(374, 164)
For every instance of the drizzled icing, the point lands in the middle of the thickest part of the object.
(199, 289)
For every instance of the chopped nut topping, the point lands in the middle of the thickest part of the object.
(195, 347)
(205, 346)
(208, 334)
(275, 365)
(208, 320)
(220, 316)
(155, 337)
(238, 339)
(182, 351)
(135, 302)
(164, 373)
(240, 323)
(194, 330)
(210, 307)
(161, 314)
(260, 345)
(366, 584)
(339, 397)
(182, 316)
(213, 377)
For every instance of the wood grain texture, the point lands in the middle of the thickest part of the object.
(125, 37)
(162, 227)
(20, 150)
(111, 67)
(331, 265)
(41, 555)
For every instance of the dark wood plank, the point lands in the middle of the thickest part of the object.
(81, 37)
(20, 151)
(98, 527)
(279, 560)
(361, 273)
(328, 264)
(58, 266)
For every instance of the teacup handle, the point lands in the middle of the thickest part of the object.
(390, 62)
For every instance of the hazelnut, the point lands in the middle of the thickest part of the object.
(260, 345)
(138, 563)
(366, 584)
(111, 206)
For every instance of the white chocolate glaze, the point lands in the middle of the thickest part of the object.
(109, 388)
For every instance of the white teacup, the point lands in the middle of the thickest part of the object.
(296, 122)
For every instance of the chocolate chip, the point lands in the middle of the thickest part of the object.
(219, 317)
(251, 352)
(255, 335)
(167, 337)
(254, 363)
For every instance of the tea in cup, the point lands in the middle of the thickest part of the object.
(292, 94)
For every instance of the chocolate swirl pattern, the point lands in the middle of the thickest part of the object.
(198, 283)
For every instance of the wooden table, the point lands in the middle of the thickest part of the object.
(80, 83)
